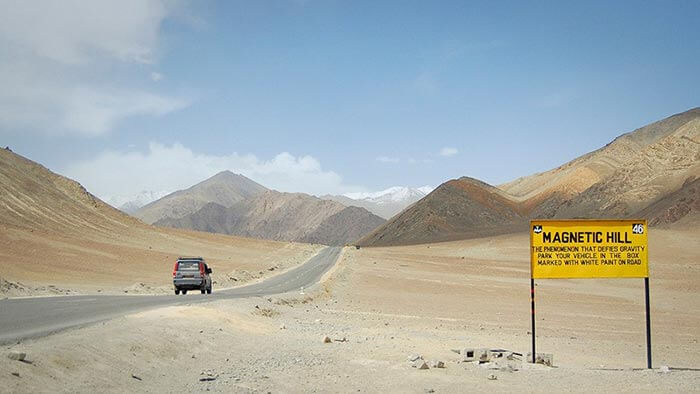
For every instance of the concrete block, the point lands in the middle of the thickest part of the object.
(541, 358)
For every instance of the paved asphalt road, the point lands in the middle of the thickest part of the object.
(39, 316)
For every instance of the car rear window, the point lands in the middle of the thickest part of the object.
(188, 266)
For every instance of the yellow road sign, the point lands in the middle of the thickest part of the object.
(588, 249)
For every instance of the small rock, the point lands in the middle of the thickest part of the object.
(414, 357)
(429, 390)
(437, 364)
(456, 351)
(327, 339)
(664, 369)
(17, 356)
(420, 364)
(283, 327)
(136, 377)
(492, 377)
(201, 331)
(15, 374)
(207, 378)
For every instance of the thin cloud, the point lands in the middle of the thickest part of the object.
(156, 76)
(448, 151)
(55, 57)
(386, 159)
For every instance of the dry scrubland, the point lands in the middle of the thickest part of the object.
(390, 303)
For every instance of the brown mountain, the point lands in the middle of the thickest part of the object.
(346, 226)
(681, 207)
(649, 172)
(459, 208)
(545, 192)
(282, 216)
(224, 188)
(37, 199)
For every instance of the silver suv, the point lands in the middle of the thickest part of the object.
(191, 273)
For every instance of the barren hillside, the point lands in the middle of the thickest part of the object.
(348, 225)
(224, 188)
(681, 207)
(579, 174)
(460, 208)
(282, 216)
(647, 173)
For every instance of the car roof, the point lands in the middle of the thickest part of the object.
(190, 259)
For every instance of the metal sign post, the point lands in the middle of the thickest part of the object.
(573, 249)
(646, 297)
(532, 301)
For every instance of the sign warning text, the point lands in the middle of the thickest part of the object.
(588, 249)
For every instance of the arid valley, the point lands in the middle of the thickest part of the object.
(372, 320)
(305, 196)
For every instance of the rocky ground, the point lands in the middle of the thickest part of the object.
(380, 308)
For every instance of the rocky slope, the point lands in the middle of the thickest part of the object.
(460, 208)
(224, 188)
(282, 216)
(681, 207)
(35, 198)
(346, 226)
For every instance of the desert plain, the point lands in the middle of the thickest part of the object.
(381, 307)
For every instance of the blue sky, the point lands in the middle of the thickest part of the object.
(334, 96)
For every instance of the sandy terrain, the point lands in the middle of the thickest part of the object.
(390, 303)
(137, 260)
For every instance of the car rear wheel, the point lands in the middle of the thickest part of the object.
(208, 290)
(177, 291)
(184, 292)
(202, 290)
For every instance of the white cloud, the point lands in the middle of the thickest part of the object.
(448, 151)
(65, 65)
(170, 168)
(386, 159)
(156, 76)
(76, 31)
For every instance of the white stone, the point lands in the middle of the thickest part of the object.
(17, 356)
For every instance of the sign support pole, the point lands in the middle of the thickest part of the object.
(646, 292)
(532, 302)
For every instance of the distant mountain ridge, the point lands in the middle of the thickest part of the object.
(651, 171)
(131, 204)
(283, 217)
(385, 203)
(224, 188)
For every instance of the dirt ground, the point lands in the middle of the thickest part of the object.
(138, 259)
(382, 305)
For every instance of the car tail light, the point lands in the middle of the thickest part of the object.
(175, 269)
(201, 269)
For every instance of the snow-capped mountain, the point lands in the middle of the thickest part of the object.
(129, 204)
(392, 194)
(385, 203)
